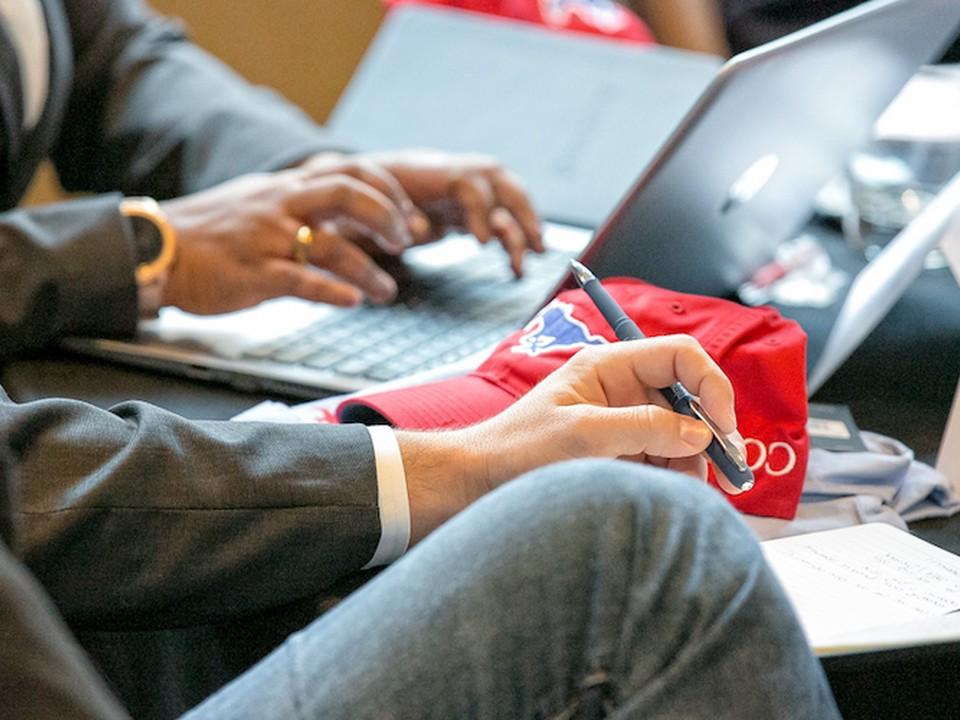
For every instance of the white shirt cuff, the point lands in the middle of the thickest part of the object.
(393, 501)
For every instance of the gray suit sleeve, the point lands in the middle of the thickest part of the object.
(150, 113)
(65, 269)
(135, 517)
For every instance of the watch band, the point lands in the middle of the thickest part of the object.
(152, 262)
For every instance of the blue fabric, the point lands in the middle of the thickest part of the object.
(588, 589)
(885, 483)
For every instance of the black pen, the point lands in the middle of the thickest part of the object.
(733, 474)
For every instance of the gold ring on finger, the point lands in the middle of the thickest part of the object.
(302, 243)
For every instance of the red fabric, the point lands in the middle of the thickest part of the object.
(762, 353)
(598, 17)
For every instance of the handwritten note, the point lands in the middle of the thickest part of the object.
(851, 582)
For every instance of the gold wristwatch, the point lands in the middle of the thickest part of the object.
(154, 249)
(154, 239)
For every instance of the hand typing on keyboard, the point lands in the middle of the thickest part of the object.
(239, 243)
(467, 307)
(451, 192)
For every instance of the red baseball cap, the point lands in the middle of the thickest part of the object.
(762, 353)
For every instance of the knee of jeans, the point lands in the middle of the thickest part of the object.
(599, 490)
(617, 482)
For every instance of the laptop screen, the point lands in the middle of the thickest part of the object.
(740, 173)
(575, 117)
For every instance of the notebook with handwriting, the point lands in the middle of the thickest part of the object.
(868, 587)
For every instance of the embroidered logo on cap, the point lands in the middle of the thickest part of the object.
(555, 328)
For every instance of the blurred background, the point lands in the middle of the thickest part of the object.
(306, 50)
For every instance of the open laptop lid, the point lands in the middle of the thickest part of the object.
(575, 117)
(884, 280)
(740, 173)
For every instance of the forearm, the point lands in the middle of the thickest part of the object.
(687, 24)
(135, 517)
(150, 113)
(448, 471)
(65, 269)
(445, 473)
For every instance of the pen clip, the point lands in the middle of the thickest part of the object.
(731, 450)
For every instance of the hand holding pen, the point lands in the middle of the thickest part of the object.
(733, 474)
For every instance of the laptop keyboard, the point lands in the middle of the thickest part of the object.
(440, 316)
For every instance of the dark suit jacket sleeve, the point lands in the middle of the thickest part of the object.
(65, 269)
(135, 517)
(151, 113)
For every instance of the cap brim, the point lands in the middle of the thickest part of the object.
(446, 404)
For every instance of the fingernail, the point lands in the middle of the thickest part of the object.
(737, 439)
(352, 297)
(419, 225)
(403, 233)
(385, 288)
(732, 421)
(694, 433)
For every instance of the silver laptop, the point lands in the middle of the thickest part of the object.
(736, 177)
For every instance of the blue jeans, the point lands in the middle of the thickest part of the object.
(588, 589)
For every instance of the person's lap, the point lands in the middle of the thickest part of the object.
(586, 584)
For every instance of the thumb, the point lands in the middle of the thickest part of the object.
(652, 430)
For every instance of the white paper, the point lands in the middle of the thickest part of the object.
(858, 583)
(948, 459)
(926, 631)
(950, 246)
(269, 411)
(926, 109)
